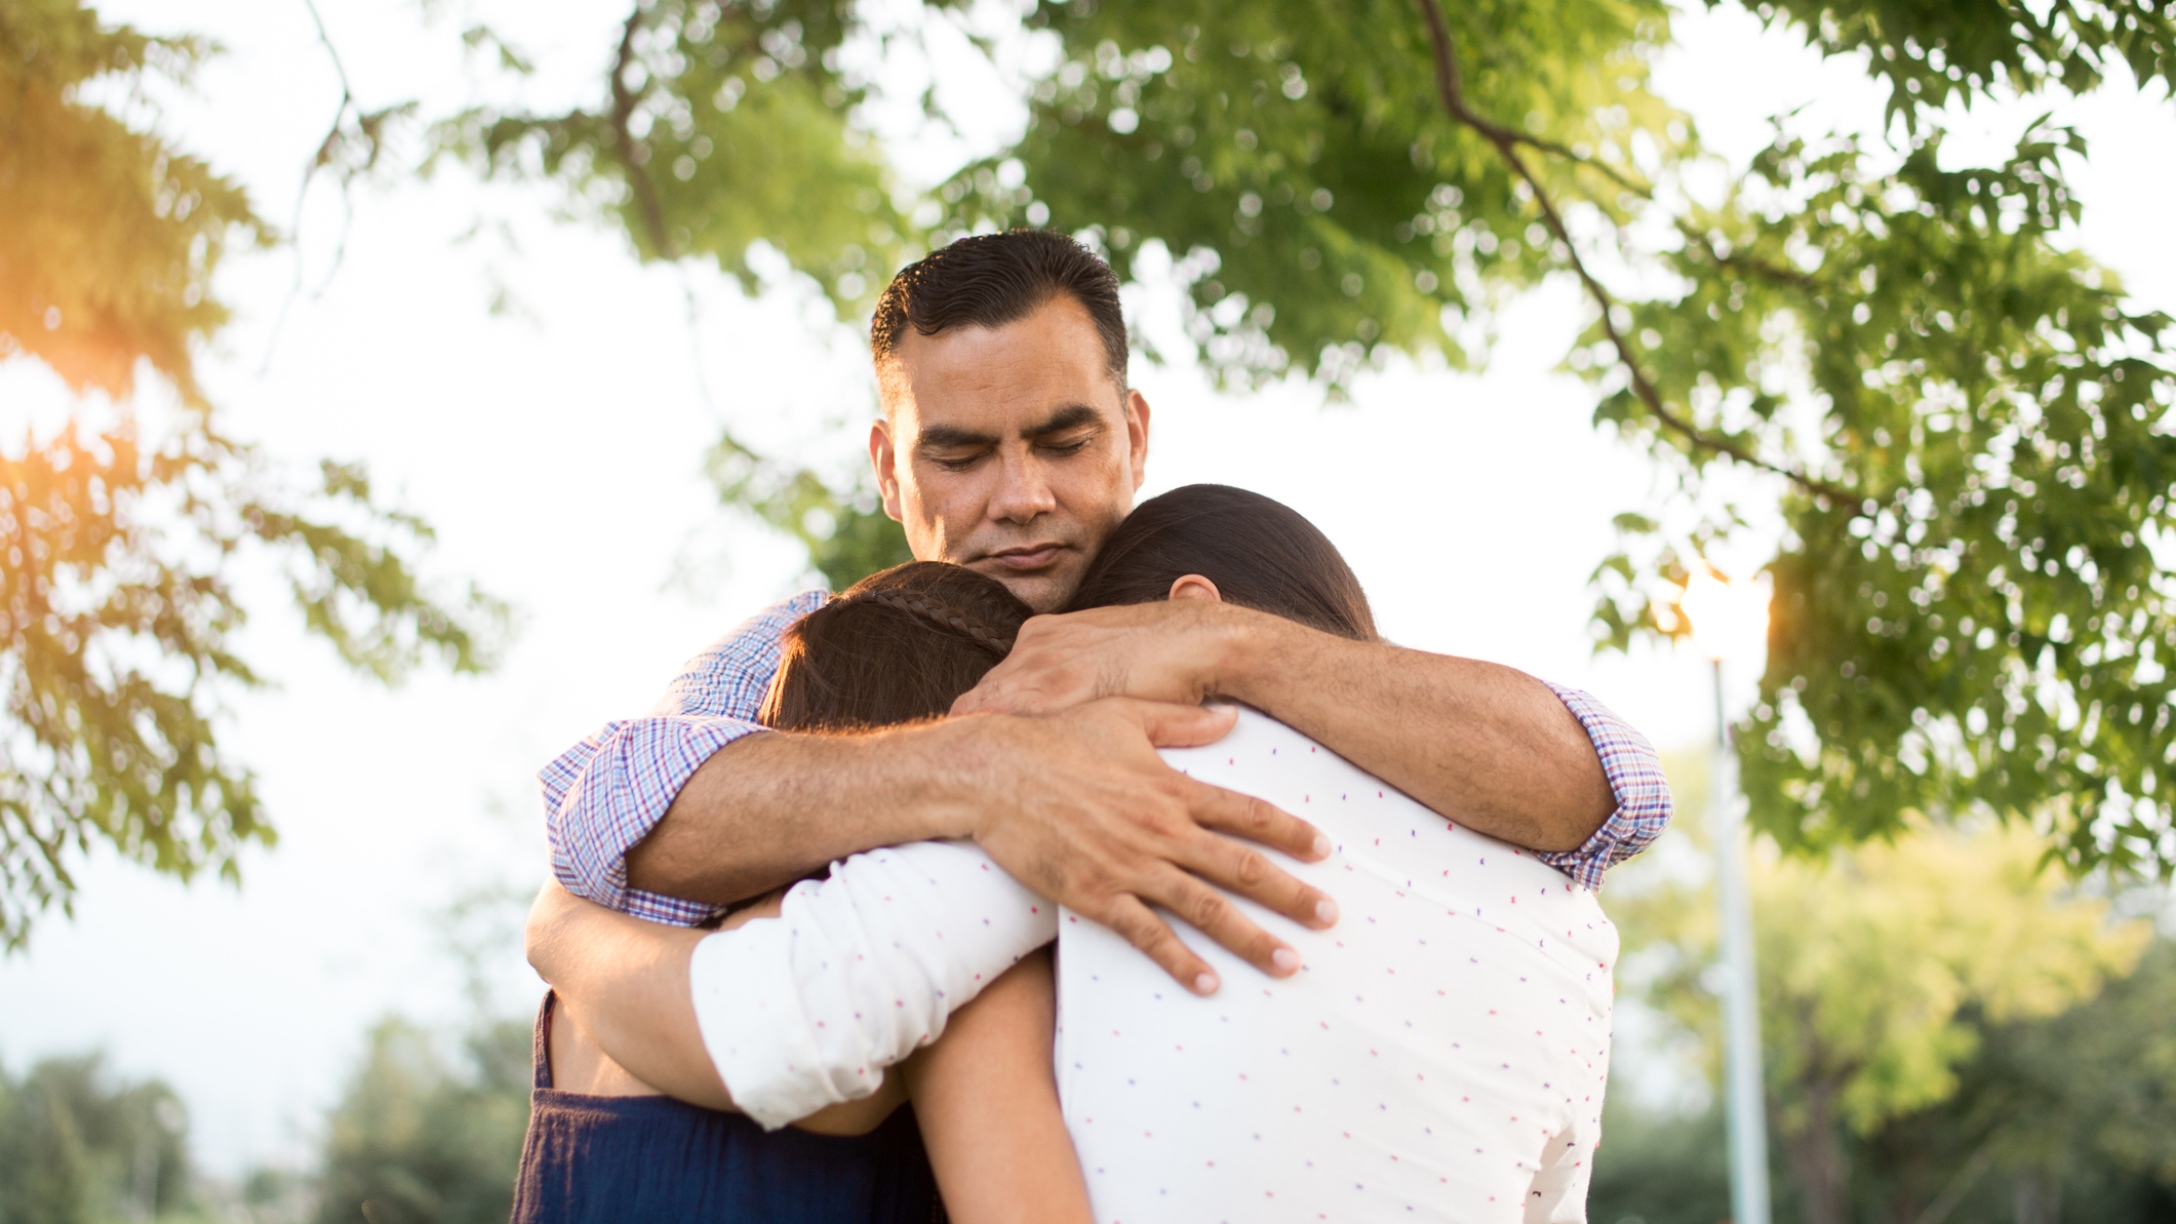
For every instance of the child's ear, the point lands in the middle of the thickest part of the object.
(1194, 586)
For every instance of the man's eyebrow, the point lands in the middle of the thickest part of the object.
(1070, 417)
(952, 437)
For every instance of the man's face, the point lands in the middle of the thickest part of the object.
(1010, 450)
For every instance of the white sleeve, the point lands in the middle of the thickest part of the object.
(860, 970)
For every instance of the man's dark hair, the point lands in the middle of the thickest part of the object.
(1260, 553)
(899, 646)
(989, 280)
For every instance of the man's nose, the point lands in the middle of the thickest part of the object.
(1023, 491)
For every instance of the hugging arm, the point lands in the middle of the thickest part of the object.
(786, 1017)
(1484, 745)
(672, 816)
(624, 983)
(987, 1102)
(769, 995)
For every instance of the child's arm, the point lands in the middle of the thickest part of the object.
(623, 986)
(987, 1103)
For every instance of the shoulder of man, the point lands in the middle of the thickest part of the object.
(734, 670)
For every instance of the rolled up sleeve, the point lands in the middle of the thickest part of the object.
(605, 794)
(1636, 781)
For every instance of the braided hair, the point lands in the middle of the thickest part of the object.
(915, 603)
(898, 646)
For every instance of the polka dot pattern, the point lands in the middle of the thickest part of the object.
(1441, 1056)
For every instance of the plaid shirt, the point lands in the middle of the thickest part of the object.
(605, 794)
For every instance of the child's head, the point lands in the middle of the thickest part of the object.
(1256, 551)
(897, 647)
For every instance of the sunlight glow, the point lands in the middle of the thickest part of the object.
(1729, 620)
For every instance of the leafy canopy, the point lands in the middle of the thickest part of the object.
(1966, 429)
(117, 611)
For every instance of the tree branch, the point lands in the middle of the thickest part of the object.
(1451, 90)
(625, 144)
(309, 175)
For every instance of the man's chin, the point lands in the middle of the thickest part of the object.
(1045, 589)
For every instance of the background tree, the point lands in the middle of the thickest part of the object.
(76, 1146)
(120, 531)
(1879, 968)
(1962, 428)
(419, 1140)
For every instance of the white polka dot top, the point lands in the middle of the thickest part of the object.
(1441, 1056)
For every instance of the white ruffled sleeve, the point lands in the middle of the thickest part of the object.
(860, 970)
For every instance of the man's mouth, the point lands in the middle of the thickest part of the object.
(1026, 557)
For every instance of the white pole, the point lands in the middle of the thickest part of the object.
(1743, 1096)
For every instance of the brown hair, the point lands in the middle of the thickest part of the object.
(898, 646)
(990, 280)
(1260, 553)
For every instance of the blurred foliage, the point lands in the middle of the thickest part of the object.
(77, 1147)
(1969, 431)
(117, 611)
(108, 234)
(416, 1140)
(1931, 53)
(721, 126)
(1976, 627)
(1879, 969)
(1298, 158)
(2071, 1116)
(847, 534)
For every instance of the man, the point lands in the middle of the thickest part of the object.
(1011, 443)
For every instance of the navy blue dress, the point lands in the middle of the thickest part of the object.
(624, 1160)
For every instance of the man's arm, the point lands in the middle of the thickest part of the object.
(671, 816)
(797, 1013)
(1076, 805)
(604, 795)
(1484, 745)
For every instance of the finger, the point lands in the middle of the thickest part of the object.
(984, 696)
(1245, 872)
(1169, 725)
(1257, 820)
(1138, 925)
(1212, 913)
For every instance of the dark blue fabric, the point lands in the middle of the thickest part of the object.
(623, 1160)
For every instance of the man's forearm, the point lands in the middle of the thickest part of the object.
(1485, 745)
(768, 809)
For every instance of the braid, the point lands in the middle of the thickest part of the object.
(914, 603)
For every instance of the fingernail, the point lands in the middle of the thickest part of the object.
(1205, 984)
(1326, 912)
(1285, 960)
(1322, 846)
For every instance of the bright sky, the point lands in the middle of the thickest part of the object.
(557, 447)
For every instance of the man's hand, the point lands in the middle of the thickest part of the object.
(1171, 651)
(1079, 807)
(1486, 746)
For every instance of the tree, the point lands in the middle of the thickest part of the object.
(2077, 1111)
(416, 1141)
(77, 1147)
(120, 531)
(1877, 968)
(1965, 427)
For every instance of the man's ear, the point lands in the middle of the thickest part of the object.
(1195, 586)
(884, 460)
(1137, 435)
